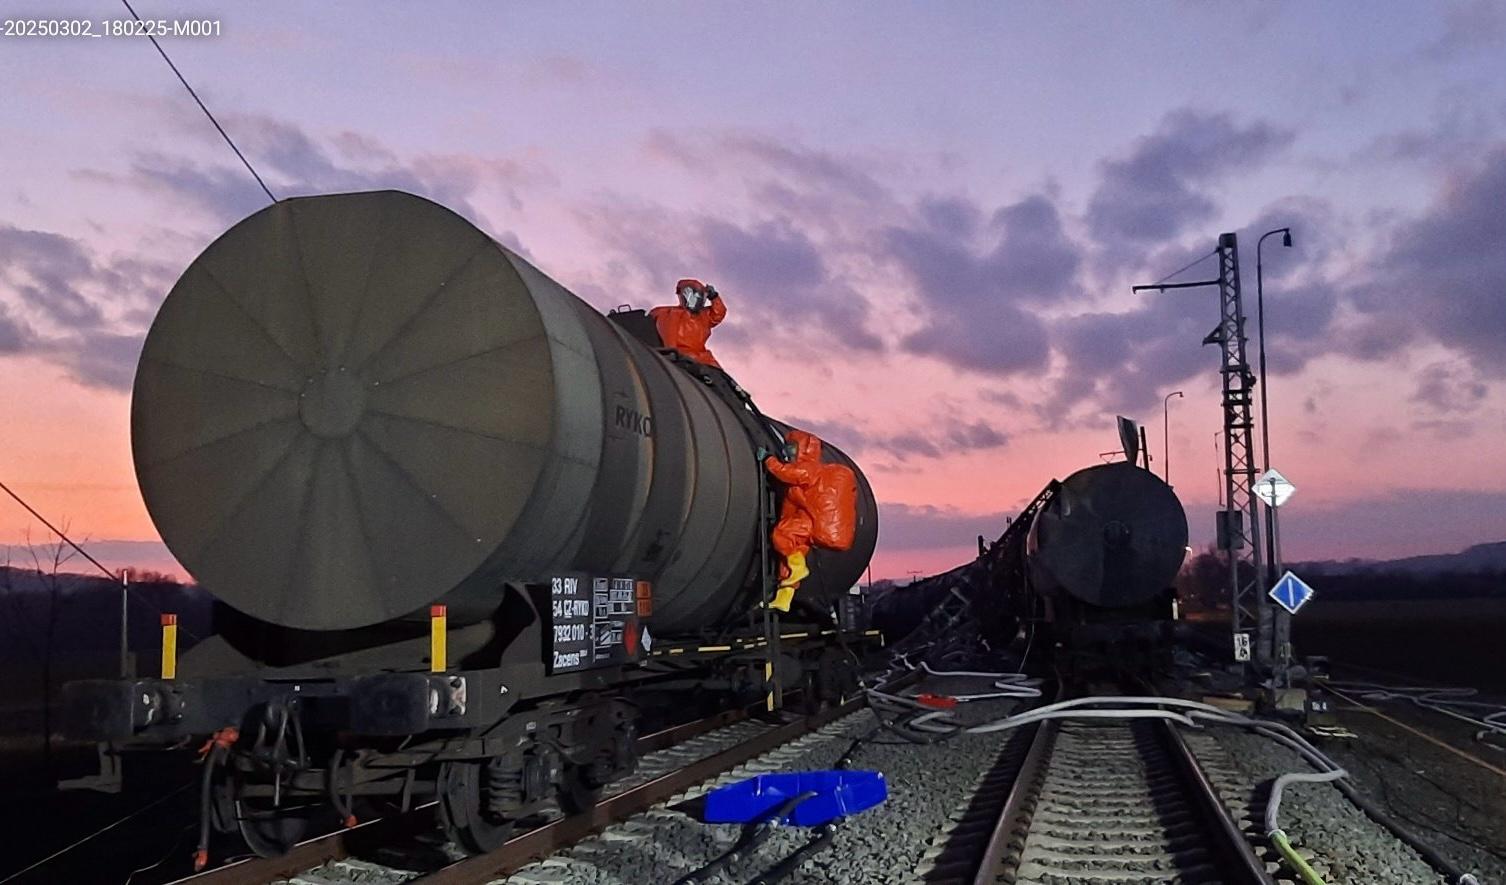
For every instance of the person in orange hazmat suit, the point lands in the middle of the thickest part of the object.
(686, 326)
(820, 508)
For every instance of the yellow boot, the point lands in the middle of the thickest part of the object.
(795, 564)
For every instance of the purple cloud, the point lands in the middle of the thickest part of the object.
(1468, 27)
(101, 358)
(768, 159)
(976, 302)
(1156, 192)
(72, 294)
(46, 270)
(783, 272)
(770, 269)
(1125, 361)
(924, 527)
(1449, 388)
(938, 440)
(14, 335)
(295, 162)
(1443, 274)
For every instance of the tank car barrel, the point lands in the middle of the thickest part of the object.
(353, 406)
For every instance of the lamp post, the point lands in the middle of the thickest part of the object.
(1265, 420)
(1218, 474)
(1166, 432)
(1282, 625)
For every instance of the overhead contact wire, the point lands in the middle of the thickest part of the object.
(85, 554)
(223, 134)
(1186, 267)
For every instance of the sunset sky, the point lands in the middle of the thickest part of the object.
(926, 219)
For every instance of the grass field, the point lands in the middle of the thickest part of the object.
(1455, 641)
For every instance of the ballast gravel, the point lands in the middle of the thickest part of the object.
(392, 868)
(927, 784)
(1456, 805)
(1341, 843)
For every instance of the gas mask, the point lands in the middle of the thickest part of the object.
(695, 299)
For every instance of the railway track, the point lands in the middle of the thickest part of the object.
(394, 850)
(1103, 801)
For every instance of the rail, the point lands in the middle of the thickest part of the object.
(536, 843)
(1149, 791)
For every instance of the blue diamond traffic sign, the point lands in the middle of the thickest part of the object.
(1290, 593)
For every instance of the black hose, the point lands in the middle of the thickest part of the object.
(206, 806)
(778, 871)
(303, 759)
(342, 807)
(1429, 853)
(901, 726)
(845, 759)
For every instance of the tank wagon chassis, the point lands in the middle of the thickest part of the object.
(493, 746)
(355, 407)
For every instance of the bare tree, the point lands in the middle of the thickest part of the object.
(49, 564)
(18, 620)
(1203, 583)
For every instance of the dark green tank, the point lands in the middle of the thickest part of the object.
(353, 406)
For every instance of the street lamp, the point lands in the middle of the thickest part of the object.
(1218, 471)
(1282, 625)
(1166, 432)
(1265, 421)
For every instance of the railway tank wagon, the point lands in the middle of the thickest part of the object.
(1112, 537)
(1092, 559)
(353, 409)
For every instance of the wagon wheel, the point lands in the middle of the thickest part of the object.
(580, 789)
(271, 831)
(463, 808)
(268, 829)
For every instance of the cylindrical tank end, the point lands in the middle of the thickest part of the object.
(341, 409)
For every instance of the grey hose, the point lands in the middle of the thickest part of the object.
(1295, 777)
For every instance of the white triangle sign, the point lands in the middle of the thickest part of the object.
(1273, 488)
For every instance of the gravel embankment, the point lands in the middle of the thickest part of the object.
(1451, 802)
(884, 845)
(398, 864)
(1338, 839)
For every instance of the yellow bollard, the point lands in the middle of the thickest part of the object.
(169, 646)
(768, 679)
(437, 621)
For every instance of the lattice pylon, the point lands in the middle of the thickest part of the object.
(1250, 610)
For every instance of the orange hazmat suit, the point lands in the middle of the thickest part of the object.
(820, 508)
(685, 328)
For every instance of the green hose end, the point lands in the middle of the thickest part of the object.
(1308, 874)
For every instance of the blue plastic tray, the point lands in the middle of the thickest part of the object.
(838, 794)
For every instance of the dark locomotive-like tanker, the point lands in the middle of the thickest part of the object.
(1088, 567)
(455, 520)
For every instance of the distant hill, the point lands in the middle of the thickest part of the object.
(88, 613)
(1478, 559)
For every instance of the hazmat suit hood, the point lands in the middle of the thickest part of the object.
(807, 446)
(692, 295)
